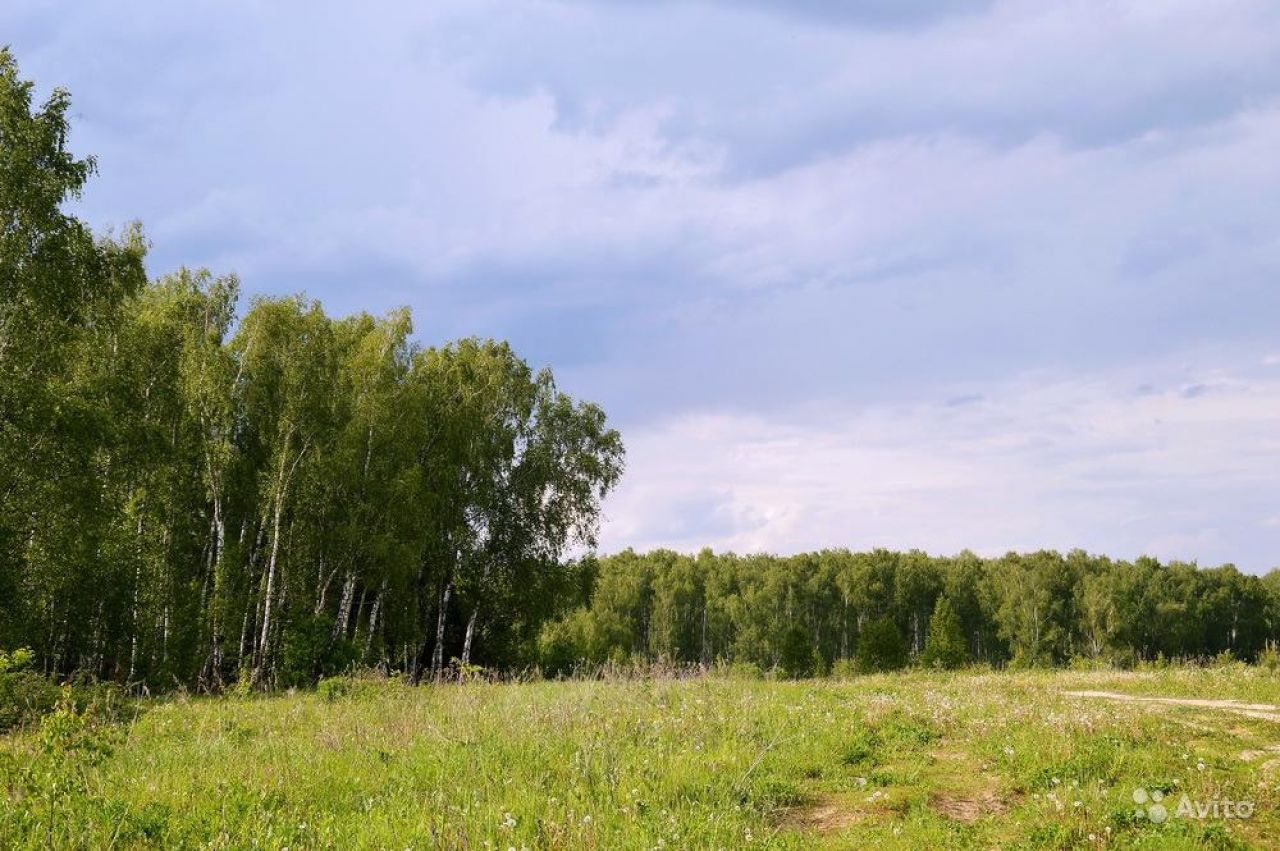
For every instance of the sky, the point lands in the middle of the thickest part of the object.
(943, 274)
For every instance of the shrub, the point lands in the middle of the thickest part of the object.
(1225, 659)
(24, 697)
(366, 685)
(17, 660)
(945, 647)
(881, 647)
(311, 652)
(797, 656)
(844, 669)
(1028, 659)
(564, 644)
(1124, 659)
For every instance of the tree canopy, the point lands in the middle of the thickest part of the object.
(878, 610)
(190, 494)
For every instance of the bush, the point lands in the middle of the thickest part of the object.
(797, 657)
(844, 669)
(24, 697)
(1225, 659)
(881, 647)
(359, 686)
(1124, 659)
(737, 670)
(18, 660)
(945, 647)
(1027, 660)
(564, 644)
(310, 652)
(333, 689)
(1081, 662)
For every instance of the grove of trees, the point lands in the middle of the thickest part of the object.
(805, 614)
(193, 496)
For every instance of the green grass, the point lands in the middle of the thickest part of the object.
(909, 760)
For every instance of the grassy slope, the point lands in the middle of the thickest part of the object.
(910, 760)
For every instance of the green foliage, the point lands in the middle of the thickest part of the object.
(310, 651)
(845, 669)
(881, 647)
(53, 794)
(24, 697)
(566, 643)
(799, 615)
(946, 646)
(189, 495)
(863, 748)
(358, 687)
(797, 657)
(15, 661)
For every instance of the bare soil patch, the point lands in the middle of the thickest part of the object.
(1250, 755)
(1263, 711)
(967, 808)
(829, 814)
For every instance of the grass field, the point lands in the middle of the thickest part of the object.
(908, 760)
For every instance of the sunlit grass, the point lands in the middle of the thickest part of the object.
(910, 760)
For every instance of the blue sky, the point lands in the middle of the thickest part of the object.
(882, 272)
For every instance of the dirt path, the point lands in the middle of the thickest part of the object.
(1264, 711)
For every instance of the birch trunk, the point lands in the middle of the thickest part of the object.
(373, 619)
(342, 622)
(437, 654)
(471, 631)
(137, 590)
(282, 486)
(265, 636)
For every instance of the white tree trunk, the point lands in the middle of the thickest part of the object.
(265, 638)
(342, 622)
(437, 655)
(471, 631)
(373, 619)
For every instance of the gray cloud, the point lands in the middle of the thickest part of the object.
(704, 209)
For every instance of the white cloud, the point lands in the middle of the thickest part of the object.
(818, 232)
(1037, 462)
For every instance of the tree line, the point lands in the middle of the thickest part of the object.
(194, 495)
(190, 496)
(806, 614)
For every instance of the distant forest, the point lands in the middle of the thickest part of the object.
(880, 610)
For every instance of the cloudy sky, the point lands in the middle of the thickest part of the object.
(914, 273)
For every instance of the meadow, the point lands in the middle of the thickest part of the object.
(907, 760)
